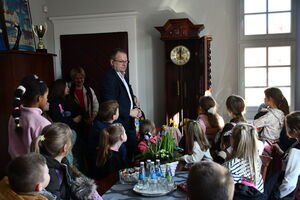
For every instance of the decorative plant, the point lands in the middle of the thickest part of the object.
(164, 148)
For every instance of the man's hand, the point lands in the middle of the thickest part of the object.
(136, 101)
(77, 119)
(135, 113)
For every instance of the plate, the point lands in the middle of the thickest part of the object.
(153, 194)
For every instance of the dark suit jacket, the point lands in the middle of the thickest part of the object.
(112, 88)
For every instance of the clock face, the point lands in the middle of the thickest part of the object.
(180, 55)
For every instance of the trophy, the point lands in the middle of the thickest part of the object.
(39, 31)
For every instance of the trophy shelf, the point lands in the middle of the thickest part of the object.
(26, 53)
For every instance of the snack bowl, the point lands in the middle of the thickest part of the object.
(129, 175)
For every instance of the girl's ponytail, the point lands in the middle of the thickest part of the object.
(245, 147)
(278, 98)
(208, 106)
(239, 117)
(36, 144)
(16, 113)
(213, 120)
(284, 106)
(103, 148)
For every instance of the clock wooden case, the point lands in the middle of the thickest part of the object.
(185, 79)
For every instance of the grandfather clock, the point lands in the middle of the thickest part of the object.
(187, 67)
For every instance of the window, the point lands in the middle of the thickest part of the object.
(266, 50)
(265, 67)
(267, 17)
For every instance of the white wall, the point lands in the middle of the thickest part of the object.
(297, 91)
(39, 16)
(218, 16)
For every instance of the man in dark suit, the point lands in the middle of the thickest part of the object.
(115, 86)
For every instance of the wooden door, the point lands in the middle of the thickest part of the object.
(91, 52)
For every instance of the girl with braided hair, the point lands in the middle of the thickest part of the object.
(27, 122)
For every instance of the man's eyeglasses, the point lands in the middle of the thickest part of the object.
(122, 61)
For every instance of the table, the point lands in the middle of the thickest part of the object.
(124, 191)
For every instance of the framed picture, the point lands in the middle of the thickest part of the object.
(15, 18)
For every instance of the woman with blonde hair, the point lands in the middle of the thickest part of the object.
(245, 163)
(83, 95)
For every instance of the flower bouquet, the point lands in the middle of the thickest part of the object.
(163, 147)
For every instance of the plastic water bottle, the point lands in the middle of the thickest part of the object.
(148, 168)
(169, 178)
(141, 182)
(153, 178)
(137, 125)
(158, 168)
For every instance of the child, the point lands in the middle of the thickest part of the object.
(272, 121)
(109, 159)
(60, 110)
(196, 143)
(54, 144)
(206, 176)
(108, 113)
(146, 135)
(27, 121)
(208, 113)
(83, 95)
(224, 153)
(27, 178)
(235, 107)
(291, 163)
(245, 164)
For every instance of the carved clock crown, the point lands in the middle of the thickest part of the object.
(178, 29)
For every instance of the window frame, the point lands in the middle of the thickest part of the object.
(265, 40)
(244, 37)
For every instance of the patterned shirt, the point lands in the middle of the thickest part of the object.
(240, 171)
(272, 124)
